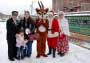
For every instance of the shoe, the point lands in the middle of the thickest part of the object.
(28, 56)
(44, 55)
(49, 53)
(11, 59)
(38, 56)
(54, 51)
(62, 54)
(58, 53)
(22, 57)
(18, 58)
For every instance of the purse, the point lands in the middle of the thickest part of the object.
(62, 36)
(33, 36)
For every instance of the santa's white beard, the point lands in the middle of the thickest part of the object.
(50, 19)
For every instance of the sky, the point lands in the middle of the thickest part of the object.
(6, 6)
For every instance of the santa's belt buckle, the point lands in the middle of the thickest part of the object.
(42, 28)
(49, 29)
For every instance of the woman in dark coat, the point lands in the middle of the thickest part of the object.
(11, 27)
(28, 25)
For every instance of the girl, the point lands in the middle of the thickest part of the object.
(20, 44)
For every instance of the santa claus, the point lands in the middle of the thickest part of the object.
(53, 33)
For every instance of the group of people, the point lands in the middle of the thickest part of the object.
(21, 33)
(58, 33)
(19, 45)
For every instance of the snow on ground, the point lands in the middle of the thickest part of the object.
(75, 55)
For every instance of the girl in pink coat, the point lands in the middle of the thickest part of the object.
(20, 44)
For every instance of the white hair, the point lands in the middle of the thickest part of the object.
(61, 13)
(50, 13)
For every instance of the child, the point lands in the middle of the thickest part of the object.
(21, 45)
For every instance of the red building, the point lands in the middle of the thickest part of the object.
(71, 5)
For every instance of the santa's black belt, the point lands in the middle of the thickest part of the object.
(49, 29)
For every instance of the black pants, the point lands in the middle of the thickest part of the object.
(12, 50)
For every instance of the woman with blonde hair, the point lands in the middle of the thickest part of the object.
(63, 45)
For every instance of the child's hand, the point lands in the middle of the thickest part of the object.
(16, 35)
(26, 40)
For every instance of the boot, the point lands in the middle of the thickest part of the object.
(62, 54)
(54, 52)
(38, 56)
(58, 53)
(50, 49)
(44, 55)
(11, 59)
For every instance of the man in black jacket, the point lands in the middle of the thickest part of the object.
(11, 27)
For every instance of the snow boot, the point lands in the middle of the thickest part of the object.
(62, 54)
(50, 49)
(54, 52)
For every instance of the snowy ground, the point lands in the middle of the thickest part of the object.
(75, 55)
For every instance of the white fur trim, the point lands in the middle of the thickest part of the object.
(50, 23)
(64, 26)
(50, 35)
(42, 28)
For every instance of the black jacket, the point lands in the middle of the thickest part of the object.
(11, 29)
(30, 25)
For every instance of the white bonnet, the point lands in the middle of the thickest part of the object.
(61, 13)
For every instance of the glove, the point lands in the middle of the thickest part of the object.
(27, 31)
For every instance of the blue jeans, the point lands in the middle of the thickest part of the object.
(20, 54)
(29, 48)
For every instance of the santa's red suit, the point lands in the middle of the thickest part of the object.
(53, 33)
